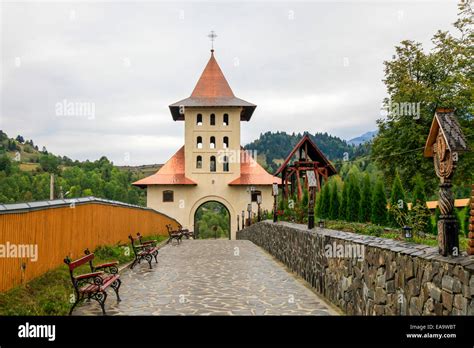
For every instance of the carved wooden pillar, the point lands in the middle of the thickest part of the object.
(444, 144)
(470, 249)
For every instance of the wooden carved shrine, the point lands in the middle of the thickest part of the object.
(445, 142)
(305, 157)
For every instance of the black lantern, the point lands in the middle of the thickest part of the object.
(321, 223)
(407, 230)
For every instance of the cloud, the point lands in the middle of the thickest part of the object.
(315, 66)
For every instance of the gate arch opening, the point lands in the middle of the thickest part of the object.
(212, 221)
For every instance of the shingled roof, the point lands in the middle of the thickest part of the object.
(212, 89)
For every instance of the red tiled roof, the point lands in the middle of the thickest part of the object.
(172, 173)
(212, 83)
(252, 173)
(212, 89)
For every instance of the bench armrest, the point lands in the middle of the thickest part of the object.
(146, 242)
(105, 265)
(88, 275)
(142, 246)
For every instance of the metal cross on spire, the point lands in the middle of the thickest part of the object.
(212, 35)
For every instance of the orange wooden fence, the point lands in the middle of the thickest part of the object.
(64, 230)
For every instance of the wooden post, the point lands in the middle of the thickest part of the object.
(51, 187)
(311, 175)
(298, 181)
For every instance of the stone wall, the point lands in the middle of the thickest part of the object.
(387, 277)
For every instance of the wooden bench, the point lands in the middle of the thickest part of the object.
(93, 285)
(187, 233)
(174, 235)
(143, 251)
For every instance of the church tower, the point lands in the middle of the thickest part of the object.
(212, 116)
(211, 166)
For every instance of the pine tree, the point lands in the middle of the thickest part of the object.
(344, 198)
(397, 198)
(419, 199)
(325, 201)
(379, 204)
(365, 208)
(335, 203)
(353, 201)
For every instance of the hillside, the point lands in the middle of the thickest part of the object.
(272, 148)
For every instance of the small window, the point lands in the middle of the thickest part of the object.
(213, 120)
(225, 120)
(213, 164)
(225, 142)
(199, 142)
(168, 196)
(199, 120)
(225, 164)
(255, 194)
(212, 143)
(199, 162)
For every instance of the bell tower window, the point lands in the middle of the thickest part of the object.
(212, 120)
(212, 143)
(225, 164)
(199, 120)
(213, 164)
(225, 120)
(199, 142)
(225, 142)
(199, 162)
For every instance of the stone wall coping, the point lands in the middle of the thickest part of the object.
(402, 247)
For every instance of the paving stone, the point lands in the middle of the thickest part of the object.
(204, 277)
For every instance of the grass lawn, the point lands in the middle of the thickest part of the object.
(50, 294)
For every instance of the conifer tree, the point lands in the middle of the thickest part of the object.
(397, 198)
(353, 201)
(325, 201)
(419, 199)
(335, 202)
(365, 208)
(379, 204)
(344, 198)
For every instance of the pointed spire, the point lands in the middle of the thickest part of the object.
(212, 83)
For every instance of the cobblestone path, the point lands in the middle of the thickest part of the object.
(211, 277)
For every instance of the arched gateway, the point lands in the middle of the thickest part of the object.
(211, 166)
(212, 220)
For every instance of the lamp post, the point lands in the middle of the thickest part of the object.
(321, 223)
(275, 195)
(243, 219)
(407, 230)
(249, 209)
(238, 222)
(259, 201)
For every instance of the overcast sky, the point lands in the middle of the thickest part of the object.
(312, 66)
